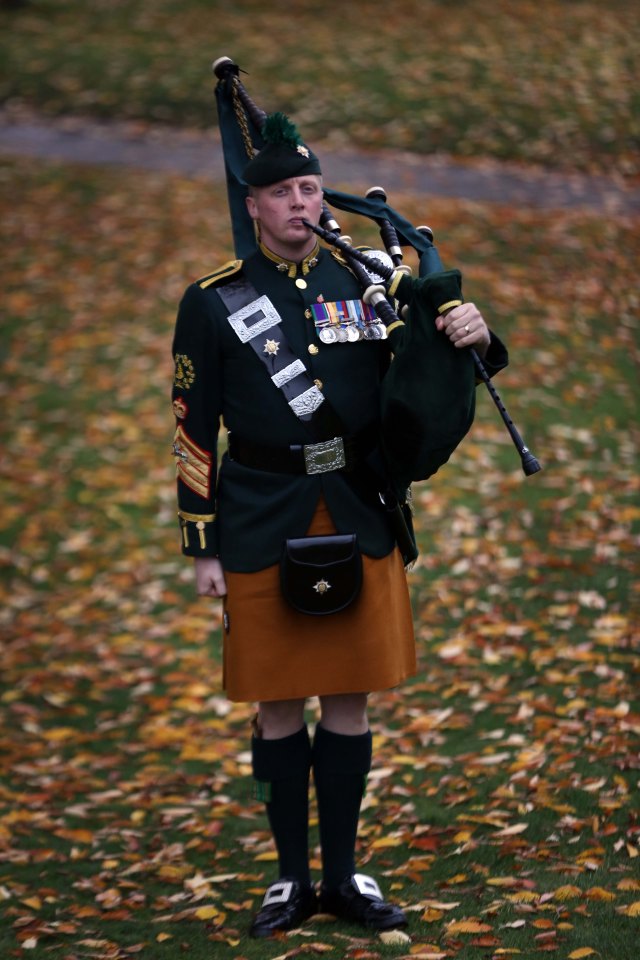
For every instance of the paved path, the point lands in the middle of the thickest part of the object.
(195, 153)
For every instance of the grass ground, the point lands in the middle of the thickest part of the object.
(503, 807)
(551, 82)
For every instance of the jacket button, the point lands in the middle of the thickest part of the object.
(313, 349)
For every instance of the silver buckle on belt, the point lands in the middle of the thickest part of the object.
(325, 456)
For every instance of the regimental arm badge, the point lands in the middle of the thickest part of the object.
(185, 373)
(180, 408)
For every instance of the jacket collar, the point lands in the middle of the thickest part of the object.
(290, 266)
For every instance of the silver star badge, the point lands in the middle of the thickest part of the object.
(322, 586)
(271, 346)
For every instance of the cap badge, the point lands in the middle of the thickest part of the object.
(302, 150)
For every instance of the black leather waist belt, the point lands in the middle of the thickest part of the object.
(310, 458)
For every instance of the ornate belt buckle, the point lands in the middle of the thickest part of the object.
(325, 456)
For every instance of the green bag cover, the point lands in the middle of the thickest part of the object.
(428, 393)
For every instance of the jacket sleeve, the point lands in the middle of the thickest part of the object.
(197, 405)
(496, 357)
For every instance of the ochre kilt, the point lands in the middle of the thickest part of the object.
(272, 652)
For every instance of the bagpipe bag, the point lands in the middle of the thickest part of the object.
(427, 401)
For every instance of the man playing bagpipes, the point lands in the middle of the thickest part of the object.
(297, 527)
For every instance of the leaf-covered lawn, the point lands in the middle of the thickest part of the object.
(503, 807)
(551, 82)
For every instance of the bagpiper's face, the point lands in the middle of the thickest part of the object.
(281, 207)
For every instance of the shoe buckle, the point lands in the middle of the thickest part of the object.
(367, 886)
(279, 892)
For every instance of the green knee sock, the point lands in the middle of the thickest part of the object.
(281, 770)
(340, 766)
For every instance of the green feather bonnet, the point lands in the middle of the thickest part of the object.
(283, 155)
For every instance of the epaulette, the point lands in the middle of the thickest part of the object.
(222, 273)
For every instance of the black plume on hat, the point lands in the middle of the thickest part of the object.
(283, 155)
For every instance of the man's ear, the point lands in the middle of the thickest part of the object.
(251, 207)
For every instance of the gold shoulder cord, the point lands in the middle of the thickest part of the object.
(241, 117)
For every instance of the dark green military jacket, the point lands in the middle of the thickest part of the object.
(244, 515)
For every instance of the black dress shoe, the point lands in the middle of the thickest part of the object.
(358, 900)
(285, 906)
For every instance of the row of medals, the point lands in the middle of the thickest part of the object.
(350, 331)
